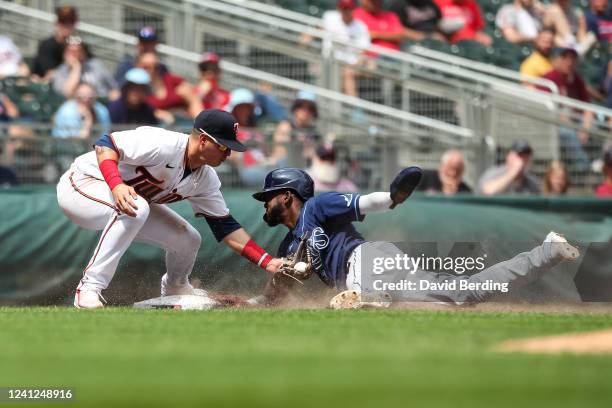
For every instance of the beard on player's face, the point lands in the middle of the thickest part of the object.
(275, 209)
(273, 215)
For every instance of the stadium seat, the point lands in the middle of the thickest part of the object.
(37, 102)
(475, 51)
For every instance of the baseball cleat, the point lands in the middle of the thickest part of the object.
(349, 299)
(88, 299)
(561, 247)
(180, 289)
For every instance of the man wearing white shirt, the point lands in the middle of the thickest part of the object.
(347, 40)
(521, 21)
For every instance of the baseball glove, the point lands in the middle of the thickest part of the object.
(404, 184)
(297, 267)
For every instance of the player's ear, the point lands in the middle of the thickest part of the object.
(293, 197)
(203, 141)
(287, 197)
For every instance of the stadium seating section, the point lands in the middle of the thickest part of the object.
(501, 53)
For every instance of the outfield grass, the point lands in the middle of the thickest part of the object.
(293, 358)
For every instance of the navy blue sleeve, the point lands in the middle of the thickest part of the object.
(222, 227)
(105, 141)
(337, 207)
(283, 248)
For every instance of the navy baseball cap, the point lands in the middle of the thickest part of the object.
(522, 146)
(220, 126)
(147, 34)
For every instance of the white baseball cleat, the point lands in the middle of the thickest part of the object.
(351, 299)
(88, 299)
(180, 289)
(561, 247)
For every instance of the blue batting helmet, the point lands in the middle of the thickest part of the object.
(288, 178)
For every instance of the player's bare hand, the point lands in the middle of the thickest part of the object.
(516, 164)
(125, 197)
(274, 265)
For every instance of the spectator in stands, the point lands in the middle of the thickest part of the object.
(132, 106)
(520, 21)
(557, 179)
(538, 63)
(294, 140)
(571, 84)
(565, 76)
(598, 20)
(420, 18)
(50, 53)
(569, 26)
(147, 42)
(448, 178)
(325, 171)
(8, 110)
(341, 25)
(385, 27)
(467, 19)
(208, 89)
(605, 188)
(253, 165)
(171, 95)
(79, 66)
(11, 62)
(513, 176)
(77, 117)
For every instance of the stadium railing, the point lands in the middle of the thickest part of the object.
(497, 108)
(37, 157)
(342, 117)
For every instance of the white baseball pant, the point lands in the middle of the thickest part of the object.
(88, 202)
(519, 270)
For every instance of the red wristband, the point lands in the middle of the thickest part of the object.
(256, 254)
(110, 172)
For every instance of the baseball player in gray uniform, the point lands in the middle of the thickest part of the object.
(122, 188)
(341, 257)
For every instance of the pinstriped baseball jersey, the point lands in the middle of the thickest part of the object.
(153, 161)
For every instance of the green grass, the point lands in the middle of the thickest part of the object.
(250, 358)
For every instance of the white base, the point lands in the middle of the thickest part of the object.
(179, 302)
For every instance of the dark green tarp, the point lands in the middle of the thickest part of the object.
(42, 253)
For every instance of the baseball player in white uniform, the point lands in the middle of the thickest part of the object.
(122, 187)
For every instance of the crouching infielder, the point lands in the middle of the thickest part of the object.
(122, 188)
(334, 248)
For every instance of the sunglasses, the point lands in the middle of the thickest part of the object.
(221, 147)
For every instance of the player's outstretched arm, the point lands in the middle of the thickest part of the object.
(401, 188)
(242, 243)
(375, 202)
(123, 194)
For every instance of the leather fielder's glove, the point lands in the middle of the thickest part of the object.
(298, 271)
(297, 268)
(404, 184)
